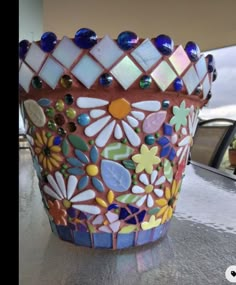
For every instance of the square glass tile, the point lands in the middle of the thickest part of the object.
(66, 52)
(201, 67)
(25, 76)
(106, 52)
(35, 57)
(191, 80)
(146, 54)
(87, 70)
(163, 75)
(126, 72)
(51, 72)
(206, 86)
(179, 60)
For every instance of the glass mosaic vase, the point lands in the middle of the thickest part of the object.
(110, 124)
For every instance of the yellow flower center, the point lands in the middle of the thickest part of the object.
(119, 108)
(66, 203)
(92, 170)
(149, 188)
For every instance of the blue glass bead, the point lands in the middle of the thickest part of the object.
(211, 63)
(178, 84)
(145, 81)
(57, 140)
(165, 104)
(214, 75)
(127, 40)
(193, 51)
(85, 38)
(83, 119)
(149, 139)
(164, 44)
(106, 79)
(23, 48)
(48, 41)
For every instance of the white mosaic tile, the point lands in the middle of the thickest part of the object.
(206, 86)
(35, 57)
(97, 113)
(87, 102)
(105, 134)
(191, 80)
(132, 121)
(66, 52)
(138, 115)
(146, 54)
(133, 138)
(163, 75)
(96, 126)
(87, 70)
(179, 60)
(201, 67)
(147, 105)
(51, 72)
(25, 77)
(118, 132)
(106, 52)
(126, 72)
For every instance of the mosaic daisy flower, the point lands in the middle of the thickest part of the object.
(57, 212)
(120, 119)
(187, 141)
(47, 151)
(110, 224)
(146, 159)
(168, 202)
(180, 114)
(86, 166)
(67, 196)
(151, 186)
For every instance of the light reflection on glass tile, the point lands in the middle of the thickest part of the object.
(35, 57)
(25, 76)
(163, 75)
(106, 52)
(51, 72)
(191, 80)
(206, 86)
(146, 54)
(87, 70)
(179, 60)
(66, 52)
(201, 67)
(126, 72)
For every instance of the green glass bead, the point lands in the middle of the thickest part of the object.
(52, 125)
(50, 112)
(60, 105)
(66, 81)
(70, 113)
(37, 82)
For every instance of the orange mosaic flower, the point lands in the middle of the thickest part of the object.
(58, 213)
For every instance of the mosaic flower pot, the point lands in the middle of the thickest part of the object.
(111, 123)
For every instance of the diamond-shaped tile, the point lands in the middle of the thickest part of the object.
(51, 72)
(87, 70)
(163, 75)
(206, 86)
(106, 52)
(146, 54)
(126, 72)
(66, 52)
(25, 76)
(179, 60)
(191, 79)
(201, 67)
(35, 57)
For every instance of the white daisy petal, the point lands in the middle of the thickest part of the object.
(87, 102)
(144, 179)
(179, 151)
(183, 154)
(150, 201)
(96, 127)
(148, 105)
(71, 184)
(132, 121)
(184, 141)
(97, 113)
(133, 138)
(158, 192)
(161, 180)
(84, 196)
(137, 189)
(118, 132)
(140, 202)
(61, 183)
(138, 115)
(105, 134)
(88, 209)
(54, 185)
(154, 176)
(105, 229)
(51, 193)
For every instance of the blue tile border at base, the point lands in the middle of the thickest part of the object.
(82, 238)
(144, 237)
(64, 233)
(102, 240)
(125, 240)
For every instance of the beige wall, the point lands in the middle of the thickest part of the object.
(211, 23)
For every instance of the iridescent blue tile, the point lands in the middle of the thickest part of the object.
(178, 84)
(81, 156)
(93, 154)
(164, 44)
(144, 237)
(102, 240)
(157, 233)
(83, 120)
(23, 48)
(165, 150)
(127, 40)
(64, 233)
(123, 214)
(112, 206)
(168, 129)
(57, 140)
(98, 184)
(172, 154)
(106, 79)
(133, 209)
(82, 239)
(193, 51)
(44, 102)
(131, 221)
(85, 38)
(163, 141)
(48, 41)
(149, 139)
(211, 62)
(72, 212)
(125, 240)
(141, 216)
